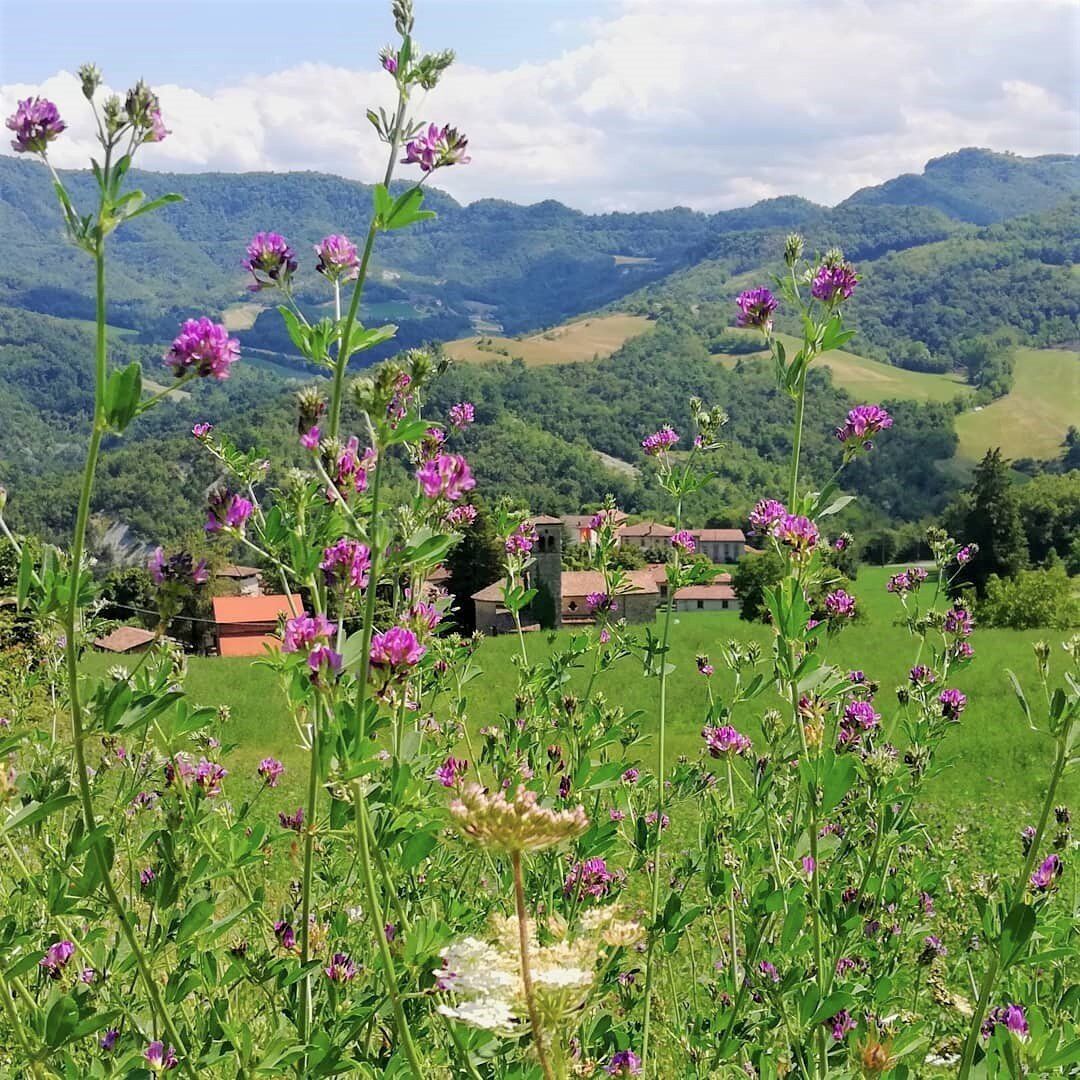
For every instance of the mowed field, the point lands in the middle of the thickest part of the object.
(869, 380)
(581, 339)
(999, 764)
(1031, 420)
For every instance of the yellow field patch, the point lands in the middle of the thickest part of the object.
(582, 339)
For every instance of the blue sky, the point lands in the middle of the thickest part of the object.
(602, 104)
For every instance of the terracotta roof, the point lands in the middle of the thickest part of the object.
(706, 592)
(545, 519)
(229, 610)
(646, 528)
(238, 571)
(439, 575)
(125, 638)
(492, 594)
(734, 535)
(582, 582)
(581, 521)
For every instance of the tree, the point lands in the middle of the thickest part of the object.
(754, 573)
(474, 563)
(1031, 600)
(993, 522)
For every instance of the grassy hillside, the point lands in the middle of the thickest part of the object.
(869, 380)
(582, 339)
(1031, 420)
(994, 750)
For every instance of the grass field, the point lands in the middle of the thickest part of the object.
(582, 339)
(1031, 420)
(1000, 763)
(869, 380)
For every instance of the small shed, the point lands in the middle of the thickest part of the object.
(247, 625)
(126, 639)
(245, 580)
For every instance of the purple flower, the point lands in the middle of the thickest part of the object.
(522, 539)
(833, 281)
(704, 667)
(309, 440)
(857, 676)
(202, 430)
(293, 822)
(340, 968)
(768, 971)
(1012, 1016)
(325, 664)
(227, 511)
(388, 60)
(304, 631)
(624, 1063)
(797, 532)
(932, 949)
(108, 1040)
(591, 878)
(962, 650)
(756, 307)
(36, 122)
(178, 569)
(270, 770)
(337, 258)
(204, 347)
(56, 958)
(446, 475)
(841, 1024)
(966, 554)
(660, 442)
(451, 772)
(285, 935)
(652, 817)
(766, 514)
(147, 877)
(390, 932)
(952, 704)
(435, 148)
(684, 541)
(270, 259)
(462, 415)
(907, 580)
(724, 740)
(921, 675)
(958, 621)
(808, 865)
(396, 648)
(346, 562)
(630, 776)
(1046, 873)
(844, 965)
(208, 776)
(461, 516)
(840, 604)
(863, 423)
(158, 131)
(601, 603)
(159, 1058)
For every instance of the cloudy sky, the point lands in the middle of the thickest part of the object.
(603, 104)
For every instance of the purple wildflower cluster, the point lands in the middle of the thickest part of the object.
(346, 563)
(624, 1063)
(35, 122)
(178, 569)
(56, 958)
(592, 878)
(160, 1058)
(756, 307)
(600, 603)
(766, 513)
(863, 423)
(959, 621)
(436, 148)
(341, 968)
(227, 510)
(660, 442)
(447, 476)
(840, 604)
(351, 468)
(1046, 873)
(312, 634)
(522, 539)
(461, 517)
(396, 649)
(840, 1024)
(271, 260)
(462, 415)
(907, 580)
(203, 347)
(952, 703)
(1011, 1017)
(724, 741)
(858, 719)
(797, 532)
(270, 771)
(337, 258)
(451, 772)
(684, 541)
(833, 281)
(206, 775)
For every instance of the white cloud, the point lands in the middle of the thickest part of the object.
(709, 104)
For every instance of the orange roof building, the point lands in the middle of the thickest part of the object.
(125, 639)
(247, 625)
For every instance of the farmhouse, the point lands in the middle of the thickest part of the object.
(719, 545)
(637, 605)
(718, 596)
(247, 625)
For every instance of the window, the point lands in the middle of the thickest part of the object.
(701, 605)
(572, 605)
(724, 604)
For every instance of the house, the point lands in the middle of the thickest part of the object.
(576, 526)
(241, 580)
(248, 625)
(646, 534)
(716, 597)
(659, 574)
(126, 639)
(491, 614)
(637, 605)
(721, 545)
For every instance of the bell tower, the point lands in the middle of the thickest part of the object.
(548, 561)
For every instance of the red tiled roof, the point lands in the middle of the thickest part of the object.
(706, 592)
(646, 528)
(491, 594)
(731, 535)
(545, 519)
(230, 610)
(125, 638)
(579, 583)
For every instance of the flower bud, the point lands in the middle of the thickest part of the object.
(793, 247)
(90, 77)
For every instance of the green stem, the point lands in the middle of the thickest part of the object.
(71, 652)
(309, 852)
(376, 916)
(991, 973)
(17, 1027)
(661, 751)
(796, 446)
(526, 966)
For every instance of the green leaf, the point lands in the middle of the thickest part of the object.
(26, 577)
(164, 200)
(1015, 932)
(122, 394)
(383, 202)
(838, 780)
(406, 210)
(297, 333)
(196, 917)
(836, 506)
(61, 1021)
(33, 812)
(363, 338)
(419, 847)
